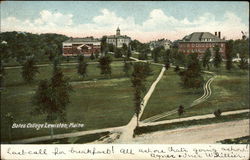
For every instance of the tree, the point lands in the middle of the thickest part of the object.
(118, 53)
(180, 59)
(110, 47)
(156, 53)
(52, 97)
(127, 68)
(206, 58)
(82, 66)
(29, 70)
(217, 58)
(138, 79)
(243, 64)
(229, 52)
(96, 55)
(180, 110)
(92, 57)
(241, 47)
(5, 55)
(10, 120)
(124, 49)
(166, 59)
(129, 53)
(191, 77)
(104, 45)
(104, 65)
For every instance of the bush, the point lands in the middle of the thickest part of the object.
(217, 113)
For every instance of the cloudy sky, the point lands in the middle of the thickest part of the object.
(140, 20)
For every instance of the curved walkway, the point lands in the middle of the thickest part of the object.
(205, 96)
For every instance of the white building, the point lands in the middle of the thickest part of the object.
(118, 40)
(161, 42)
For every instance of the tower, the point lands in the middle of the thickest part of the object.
(118, 31)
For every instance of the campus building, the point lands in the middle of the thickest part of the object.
(118, 40)
(85, 46)
(198, 42)
(160, 43)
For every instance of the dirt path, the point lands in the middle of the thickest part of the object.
(207, 93)
(204, 134)
(128, 130)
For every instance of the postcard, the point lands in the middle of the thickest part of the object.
(124, 80)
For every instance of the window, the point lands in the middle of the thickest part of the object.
(193, 45)
(221, 44)
(196, 44)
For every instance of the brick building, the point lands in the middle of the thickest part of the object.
(198, 42)
(85, 46)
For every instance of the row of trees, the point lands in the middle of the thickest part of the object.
(20, 45)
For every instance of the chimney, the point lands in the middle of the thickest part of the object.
(219, 34)
(215, 34)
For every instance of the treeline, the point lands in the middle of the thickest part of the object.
(20, 45)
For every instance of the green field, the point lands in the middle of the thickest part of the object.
(168, 95)
(229, 92)
(98, 104)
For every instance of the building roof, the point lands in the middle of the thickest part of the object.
(201, 37)
(86, 39)
(118, 36)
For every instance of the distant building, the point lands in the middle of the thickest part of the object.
(85, 46)
(161, 42)
(198, 42)
(118, 40)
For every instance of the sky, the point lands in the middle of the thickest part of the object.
(141, 20)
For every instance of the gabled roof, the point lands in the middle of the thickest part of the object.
(200, 37)
(119, 36)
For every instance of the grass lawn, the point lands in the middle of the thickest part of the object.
(168, 95)
(101, 104)
(14, 78)
(229, 92)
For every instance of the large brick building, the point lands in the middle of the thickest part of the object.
(118, 40)
(198, 42)
(85, 46)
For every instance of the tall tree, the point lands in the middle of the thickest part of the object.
(52, 97)
(82, 66)
(29, 70)
(217, 58)
(166, 59)
(105, 65)
(206, 58)
(92, 57)
(138, 79)
(104, 45)
(118, 53)
(191, 77)
(127, 68)
(229, 53)
(156, 54)
(241, 48)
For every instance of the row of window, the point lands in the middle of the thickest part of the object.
(197, 50)
(200, 45)
(119, 40)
